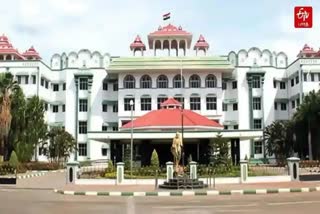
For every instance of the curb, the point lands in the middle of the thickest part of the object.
(41, 173)
(192, 193)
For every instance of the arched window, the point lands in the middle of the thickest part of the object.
(177, 81)
(145, 82)
(194, 81)
(162, 81)
(129, 82)
(211, 81)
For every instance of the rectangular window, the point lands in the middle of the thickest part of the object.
(83, 84)
(283, 106)
(274, 84)
(258, 147)
(318, 76)
(275, 106)
(64, 86)
(305, 77)
(312, 77)
(224, 85)
(236, 127)
(234, 84)
(55, 87)
(46, 106)
(83, 127)
(115, 108)
(195, 103)
(104, 128)
(161, 100)
(63, 108)
(42, 82)
(105, 86)
(55, 109)
(292, 82)
(298, 102)
(297, 79)
(82, 148)
(211, 103)
(235, 106)
(83, 105)
(19, 79)
(26, 81)
(104, 151)
(115, 128)
(104, 108)
(115, 86)
(256, 102)
(224, 107)
(257, 124)
(34, 79)
(293, 104)
(256, 82)
(47, 84)
(145, 104)
(282, 85)
(225, 127)
(127, 104)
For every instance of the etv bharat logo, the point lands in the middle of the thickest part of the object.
(303, 17)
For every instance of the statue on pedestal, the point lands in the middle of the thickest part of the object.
(176, 150)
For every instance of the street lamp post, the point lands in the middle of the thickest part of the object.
(131, 143)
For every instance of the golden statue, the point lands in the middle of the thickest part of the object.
(176, 150)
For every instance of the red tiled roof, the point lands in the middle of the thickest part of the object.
(31, 52)
(7, 48)
(163, 118)
(169, 30)
(201, 43)
(171, 102)
(137, 43)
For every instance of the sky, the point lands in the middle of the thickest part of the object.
(109, 26)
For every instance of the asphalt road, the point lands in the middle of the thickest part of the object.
(32, 201)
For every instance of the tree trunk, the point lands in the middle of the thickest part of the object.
(309, 141)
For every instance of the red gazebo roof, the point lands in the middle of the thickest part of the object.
(170, 30)
(31, 52)
(170, 116)
(307, 51)
(201, 43)
(7, 48)
(137, 44)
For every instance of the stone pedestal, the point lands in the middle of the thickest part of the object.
(120, 172)
(193, 170)
(243, 171)
(72, 172)
(169, 170)
(293, 164)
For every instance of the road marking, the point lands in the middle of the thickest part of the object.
(208, 206)
(292, 202)
(284, 190)
(91, 193)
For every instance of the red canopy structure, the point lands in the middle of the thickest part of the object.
(170, 117)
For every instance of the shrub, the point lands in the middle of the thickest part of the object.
(13, 162)
(154, 160)
(39, 166)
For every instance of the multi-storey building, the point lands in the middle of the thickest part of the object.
(236, 95)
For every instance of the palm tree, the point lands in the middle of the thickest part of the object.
(308, 111)
(7, 86)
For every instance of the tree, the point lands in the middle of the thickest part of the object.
(154, 160)
(309, 111)
(61, 144)
(219, 153)
(13, 162)
(7, 86)
(279, 140)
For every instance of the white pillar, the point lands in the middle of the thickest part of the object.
(72, 172)
(120, 172)
(169, 170)
(193, 170)
(293, 164)
(243, 171)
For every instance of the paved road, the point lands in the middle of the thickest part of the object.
(16, 201)
(33, 196)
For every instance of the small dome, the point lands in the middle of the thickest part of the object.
(201, 43)
(137, 43)
(4, 38)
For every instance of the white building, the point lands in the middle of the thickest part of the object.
(88, 93)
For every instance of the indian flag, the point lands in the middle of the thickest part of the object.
(166, 16)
